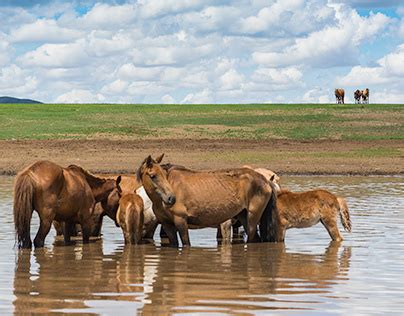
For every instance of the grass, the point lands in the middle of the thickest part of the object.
(252, 121)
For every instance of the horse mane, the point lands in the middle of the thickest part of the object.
(92, 180)
(169, 166)
(283, 191)
(138, 172)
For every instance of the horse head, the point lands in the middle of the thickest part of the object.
(111, 204)
(275, 183)
(154, 180)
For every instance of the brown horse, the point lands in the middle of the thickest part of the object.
(357, 96)
(184, 199)
(365, 95)
(63, 194)
(305, 209)
(339, 95)
(130, 215)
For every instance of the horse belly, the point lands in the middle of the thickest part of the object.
(69, 208)
(212, 216)
(304, 219)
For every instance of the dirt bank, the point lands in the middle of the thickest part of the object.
(282, 156)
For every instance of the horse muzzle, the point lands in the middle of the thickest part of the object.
(170, 200)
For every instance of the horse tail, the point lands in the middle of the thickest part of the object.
(268, 217)
(23, 207)
(344, 214)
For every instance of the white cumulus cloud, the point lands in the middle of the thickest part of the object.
(80, 96)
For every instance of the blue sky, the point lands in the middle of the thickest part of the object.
(184, 51)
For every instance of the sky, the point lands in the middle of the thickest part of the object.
(201, 51)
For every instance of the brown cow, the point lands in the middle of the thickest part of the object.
(339, 95)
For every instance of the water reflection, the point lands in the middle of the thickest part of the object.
(362, 275)
(236, 278)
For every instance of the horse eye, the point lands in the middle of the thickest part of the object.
(152, 176)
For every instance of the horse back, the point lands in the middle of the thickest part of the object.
(306, 202)
(130, 207)
(221, 184)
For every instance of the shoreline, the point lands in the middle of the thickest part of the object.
(285, 157)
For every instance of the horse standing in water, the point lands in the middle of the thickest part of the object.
(305, 209)
(56, 193)
(184, 199)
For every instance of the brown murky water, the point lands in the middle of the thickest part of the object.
(306, 275)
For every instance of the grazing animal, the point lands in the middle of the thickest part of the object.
(184, 198)
(357, 96)
(365, 96)
(56, 193)
(305, 209)
(339, 95)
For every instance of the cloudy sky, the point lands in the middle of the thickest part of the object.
(201, 51)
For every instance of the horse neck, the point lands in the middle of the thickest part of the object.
(153, 196)
(101, 188)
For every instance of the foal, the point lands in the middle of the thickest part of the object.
(130, 215)
(305, 209)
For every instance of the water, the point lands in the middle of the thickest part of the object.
(306, 275)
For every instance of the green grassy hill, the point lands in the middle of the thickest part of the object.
(253, 121)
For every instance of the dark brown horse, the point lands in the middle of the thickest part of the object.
(357, 96)
(56, 193)
(184, 199)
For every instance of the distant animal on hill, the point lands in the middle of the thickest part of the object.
(339, 96)
(357, 96)
(365, 96)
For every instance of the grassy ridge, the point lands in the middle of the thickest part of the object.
(253, 121)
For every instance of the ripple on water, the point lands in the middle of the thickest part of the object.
(307, 274)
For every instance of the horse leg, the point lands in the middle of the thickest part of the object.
(182, 226)
(252, 221)
(171, 232)
(44, 227)
(224, 232)
(58, 227)
(280, 233)
(138, 227)
(332, 228)
(163, 233)
(68, 231)
(151, 230)
(86, 230)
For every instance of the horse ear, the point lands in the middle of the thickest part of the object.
(160, 158)
(272, 178)
(117, 182)
(149, 162)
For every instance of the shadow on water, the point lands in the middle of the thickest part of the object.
(150, 279)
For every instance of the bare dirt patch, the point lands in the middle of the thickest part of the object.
(282, 156)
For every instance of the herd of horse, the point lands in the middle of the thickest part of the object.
(360, 96)
(174, 196)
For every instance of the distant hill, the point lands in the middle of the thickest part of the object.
(16, 100)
